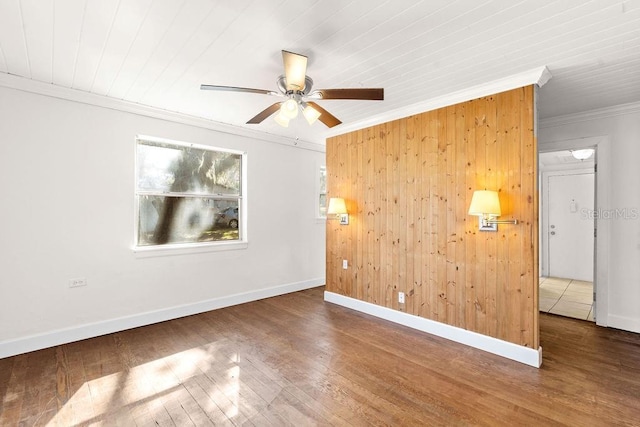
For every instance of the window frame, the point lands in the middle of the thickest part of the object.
(318, 193)
(193, 247)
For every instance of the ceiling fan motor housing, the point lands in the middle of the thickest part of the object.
(282, 86)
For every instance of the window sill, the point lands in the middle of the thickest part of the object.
(187, 249)
(320, 220)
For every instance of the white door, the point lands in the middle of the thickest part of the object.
(571, 226)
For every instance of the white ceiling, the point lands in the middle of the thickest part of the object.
(158, 52)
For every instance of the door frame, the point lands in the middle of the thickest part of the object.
(601, 203)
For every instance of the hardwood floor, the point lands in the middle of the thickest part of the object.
(296, 360)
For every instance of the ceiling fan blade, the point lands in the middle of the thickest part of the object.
(371, 94)
(238, 89)
(325, 117)
(295, 70)
(265, 113)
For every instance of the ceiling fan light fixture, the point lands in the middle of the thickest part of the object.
(282, 120)
(294, 89)
(311, 114)
(289, 109)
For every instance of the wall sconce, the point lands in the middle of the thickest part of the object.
(486, 205)
(338, 208)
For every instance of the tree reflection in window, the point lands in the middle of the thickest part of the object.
(187, 194)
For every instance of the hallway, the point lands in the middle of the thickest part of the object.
(566, 297)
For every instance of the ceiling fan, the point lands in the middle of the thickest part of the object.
(295, 86)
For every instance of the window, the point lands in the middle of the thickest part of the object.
(187, 194)
(322, 192)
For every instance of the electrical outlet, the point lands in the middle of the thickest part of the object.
(76, 283)
(345, 264)
(401, 297)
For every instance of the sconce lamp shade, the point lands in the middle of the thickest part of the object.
(485, 203)
(336, 206)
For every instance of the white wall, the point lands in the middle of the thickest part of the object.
(67, 173)
(622, 126)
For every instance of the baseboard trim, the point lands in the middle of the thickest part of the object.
(63, 336)
(624, 323)
(521, 354)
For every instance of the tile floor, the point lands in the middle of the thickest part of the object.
(566, 297)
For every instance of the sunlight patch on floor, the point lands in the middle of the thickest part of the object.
(140, 393)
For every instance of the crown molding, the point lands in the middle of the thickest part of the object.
(538, 76)
(47, 89)
(585, 116)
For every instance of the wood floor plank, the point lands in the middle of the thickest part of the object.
(296, 360)
(206, 403)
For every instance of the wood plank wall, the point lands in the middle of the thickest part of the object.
(408, 185)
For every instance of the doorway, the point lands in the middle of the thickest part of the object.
(567, 213)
